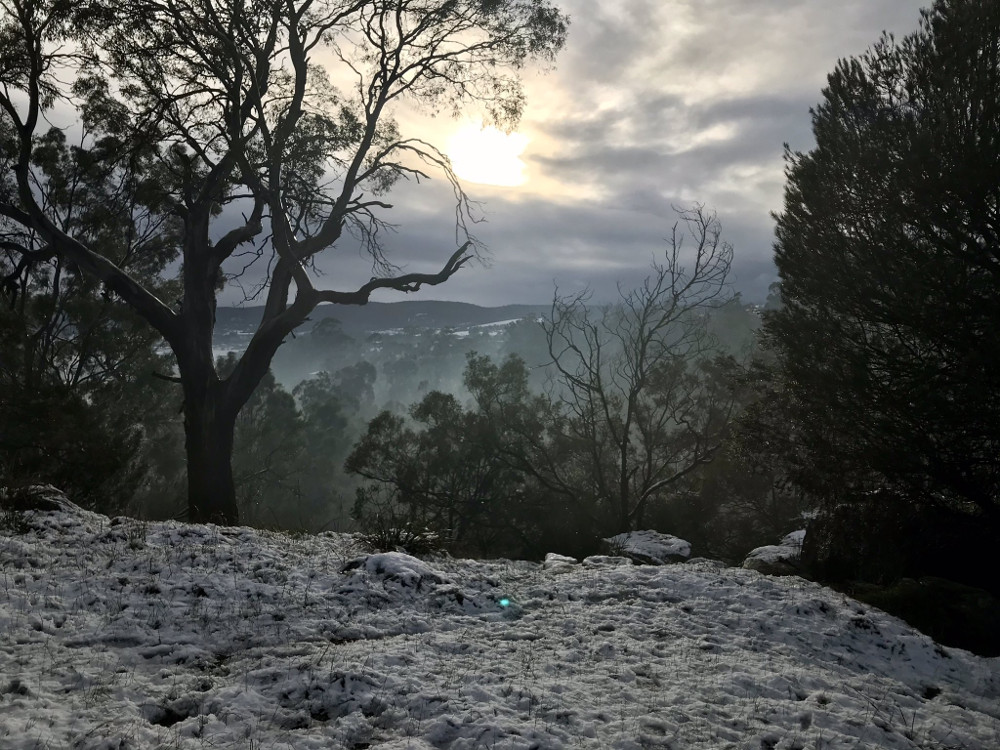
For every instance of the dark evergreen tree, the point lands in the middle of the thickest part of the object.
(888, 250)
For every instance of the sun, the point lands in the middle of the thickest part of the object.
(488, 156)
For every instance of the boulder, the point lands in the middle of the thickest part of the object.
(399, 568)
(559, 563)
(649, 547)
(781, 559)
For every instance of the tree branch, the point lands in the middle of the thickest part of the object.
(407, 283)
(167, 378)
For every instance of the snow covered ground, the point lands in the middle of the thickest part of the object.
(119, 634)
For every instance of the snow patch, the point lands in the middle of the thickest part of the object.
(399, 567)
(559, 563)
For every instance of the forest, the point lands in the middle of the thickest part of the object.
(219, 150)
(485, 440)
(253, 494)
(860, 396)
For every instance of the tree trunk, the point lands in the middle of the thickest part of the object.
(624, 494)
(209, 416)
(624, 517)
(209, 446)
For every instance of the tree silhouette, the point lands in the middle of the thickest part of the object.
(889, 259)
(645, 399)
(251, 147)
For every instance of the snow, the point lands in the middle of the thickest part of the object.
(651, 546)
(794, 539)
(122, 634)
(492, 329)
(556, 563)
(397, 567)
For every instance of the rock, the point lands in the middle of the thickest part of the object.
(795, 539)
(559, 563)
(649, 547)
(399, 568)
(782, 559)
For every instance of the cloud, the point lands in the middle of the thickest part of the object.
(653, 103)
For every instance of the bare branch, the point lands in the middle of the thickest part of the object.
(410, 282)
(627, 371)
(167, 378)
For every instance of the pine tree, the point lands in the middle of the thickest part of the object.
(888, 250)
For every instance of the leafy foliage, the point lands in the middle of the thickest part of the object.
(518, 471)
(444, 474)
(78, 404)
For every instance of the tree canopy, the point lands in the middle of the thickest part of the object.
(264, 131)
(888, 249)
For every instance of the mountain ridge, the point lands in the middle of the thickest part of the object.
(379, 316)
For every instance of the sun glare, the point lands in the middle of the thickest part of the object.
(488, 156)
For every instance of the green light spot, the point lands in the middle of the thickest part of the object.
(505, 602)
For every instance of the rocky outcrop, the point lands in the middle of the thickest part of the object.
(559, 563)
(781, 559)
(648, 547)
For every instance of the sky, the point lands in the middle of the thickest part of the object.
(652, 104)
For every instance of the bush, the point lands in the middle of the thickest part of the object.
(951, 613)
(883, 537)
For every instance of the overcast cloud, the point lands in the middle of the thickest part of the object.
(653, 103)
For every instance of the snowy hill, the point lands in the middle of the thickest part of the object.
(120, 634)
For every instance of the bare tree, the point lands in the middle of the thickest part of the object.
(258, 154)
(642, 398)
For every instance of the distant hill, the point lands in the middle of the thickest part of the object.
(381, 316)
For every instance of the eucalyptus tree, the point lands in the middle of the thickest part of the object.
(73, 409)
(272, 123)
(459, 472)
